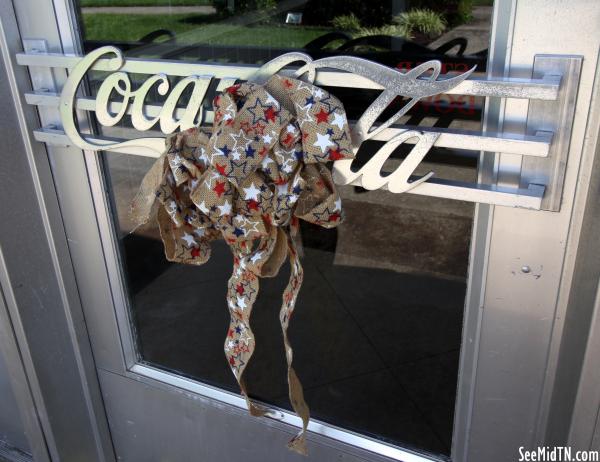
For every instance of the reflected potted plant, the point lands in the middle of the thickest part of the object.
(422, 26)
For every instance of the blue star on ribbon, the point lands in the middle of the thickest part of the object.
(242, 164)
(255, 117)
(250, 151)
(327, 102)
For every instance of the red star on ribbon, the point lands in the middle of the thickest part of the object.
(252, 204)
(270, 114)
(335, 154)
(233, 89)
(259, 128)
(322, 116)
(245, 126)
(221, 168)
(240, 289)
(219, 188)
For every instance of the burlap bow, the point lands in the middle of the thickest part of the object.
(260, 171)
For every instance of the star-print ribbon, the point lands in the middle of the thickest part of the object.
(260, 170)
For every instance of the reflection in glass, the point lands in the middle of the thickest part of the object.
(377, 329)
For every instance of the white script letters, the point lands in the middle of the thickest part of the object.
(418, 83)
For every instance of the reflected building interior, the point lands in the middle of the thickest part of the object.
(377, 328)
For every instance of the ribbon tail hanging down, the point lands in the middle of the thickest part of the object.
(242, 290)
(298, 443)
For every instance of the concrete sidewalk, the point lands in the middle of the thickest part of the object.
(202, 9)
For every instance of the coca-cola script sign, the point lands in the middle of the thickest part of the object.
(415, 84)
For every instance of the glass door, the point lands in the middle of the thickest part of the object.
(377, 333)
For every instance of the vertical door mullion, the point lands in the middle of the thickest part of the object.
(516, 327)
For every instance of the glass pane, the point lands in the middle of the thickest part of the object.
(377, 329)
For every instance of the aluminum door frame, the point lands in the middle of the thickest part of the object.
(506, 307)
(521, 303)
(44, 336)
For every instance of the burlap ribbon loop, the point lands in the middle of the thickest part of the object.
(249, 182)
